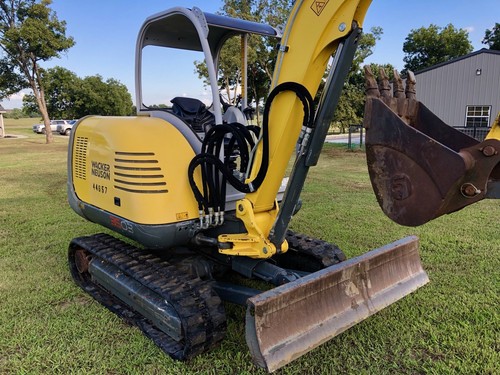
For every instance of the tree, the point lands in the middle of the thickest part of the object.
(492, 37)
(30, 32)
(365, 48)
(106, 98)
(432, 45)
(350, 108)
(60, 86)
(15, 113)
(261, 51)
(72, 97)
(229, 69)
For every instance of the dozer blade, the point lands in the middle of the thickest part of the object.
(288, 321)
(420, 167)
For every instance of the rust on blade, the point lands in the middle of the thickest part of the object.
(287, 322)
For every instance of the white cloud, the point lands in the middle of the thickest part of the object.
(18, 96)
(469, 29)
(14, 101)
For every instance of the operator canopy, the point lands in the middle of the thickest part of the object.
(175, 28)
(193, 30)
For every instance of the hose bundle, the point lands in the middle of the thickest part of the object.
(237, 140)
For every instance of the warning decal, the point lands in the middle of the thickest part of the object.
(318, 6)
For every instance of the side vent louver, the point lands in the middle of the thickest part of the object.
(138, 172)
(80, 162)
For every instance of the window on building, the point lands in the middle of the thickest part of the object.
(477, 116)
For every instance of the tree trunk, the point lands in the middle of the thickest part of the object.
(42, 106)
(2, 127)
(228, 92)
(37, 88)
(46, 121)
(235, 90)
(235, 94)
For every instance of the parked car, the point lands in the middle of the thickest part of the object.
(40, 128)
(65, 128)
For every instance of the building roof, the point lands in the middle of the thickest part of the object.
(482, 50)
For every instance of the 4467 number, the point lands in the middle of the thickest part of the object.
(100, 188)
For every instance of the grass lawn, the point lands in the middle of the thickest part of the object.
(48, 325)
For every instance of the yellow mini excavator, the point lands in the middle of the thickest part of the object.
(203, 194)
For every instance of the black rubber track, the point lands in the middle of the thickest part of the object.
(197, 305)
(308, 254)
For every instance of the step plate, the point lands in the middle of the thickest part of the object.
(288, 321)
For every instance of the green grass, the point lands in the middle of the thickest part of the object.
(48, 325)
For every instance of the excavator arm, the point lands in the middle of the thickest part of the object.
(315, 31)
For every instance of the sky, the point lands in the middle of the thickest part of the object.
(105, 33)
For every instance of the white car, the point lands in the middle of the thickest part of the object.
(40, 128)
(65, 128)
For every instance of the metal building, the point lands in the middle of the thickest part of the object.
(463, 92)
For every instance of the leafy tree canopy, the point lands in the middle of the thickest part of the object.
(262, 57)
(30, 32)
(261, 51)
(428, 46)
(492, 37)
(365, 46)
(69, 96)
(350, 108)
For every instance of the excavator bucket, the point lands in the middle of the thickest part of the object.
(420, 167)
(286, 322)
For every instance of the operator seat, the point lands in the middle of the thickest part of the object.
(194, 112)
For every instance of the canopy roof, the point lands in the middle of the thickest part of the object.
(192, 29)
(174, 29)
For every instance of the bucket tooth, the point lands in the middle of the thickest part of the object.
(371, 86)
(288, 321)
(383, 85)
(398, 86)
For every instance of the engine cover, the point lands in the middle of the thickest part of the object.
(126, 172)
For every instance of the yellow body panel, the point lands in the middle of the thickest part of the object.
(494, 133)
(133, 167)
